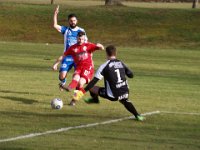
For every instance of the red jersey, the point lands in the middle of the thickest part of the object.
(82, 54)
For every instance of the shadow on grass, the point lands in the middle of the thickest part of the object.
(12, 148)
(17, 92)
(19, 99)
(31, 114)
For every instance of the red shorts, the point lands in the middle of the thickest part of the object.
(86, 72)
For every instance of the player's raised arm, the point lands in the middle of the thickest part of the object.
(100, 46)
(55, 20)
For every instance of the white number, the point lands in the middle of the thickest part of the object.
(118, 76)
(86, 72)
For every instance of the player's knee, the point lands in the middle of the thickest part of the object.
(62, 76)
(94, 90)
(82, 81)
(123, 101)
(76, 77)
(61, 79)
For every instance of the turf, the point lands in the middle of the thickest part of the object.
(162, 82)
(160, 44)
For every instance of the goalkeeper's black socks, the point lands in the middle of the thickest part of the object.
(129, 106)
(95, 97)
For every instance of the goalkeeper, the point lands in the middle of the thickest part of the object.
(116, 87)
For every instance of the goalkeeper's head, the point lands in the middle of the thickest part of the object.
(111, 51)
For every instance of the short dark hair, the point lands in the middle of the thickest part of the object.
(111, 50)
(81, 33)
(71, 15)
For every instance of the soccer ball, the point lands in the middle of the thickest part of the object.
(56, 103)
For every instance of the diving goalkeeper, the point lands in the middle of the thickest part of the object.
(116, 87)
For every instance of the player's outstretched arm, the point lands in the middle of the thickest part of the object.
(91, 84)
(100, 46)
(128, 72)
(55, 20)
(55, 65)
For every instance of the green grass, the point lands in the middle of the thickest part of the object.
(165, 79)
(122, 26)
(159, 42)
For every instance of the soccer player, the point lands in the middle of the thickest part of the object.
(82, 55)
(116, 87)
(70, 38)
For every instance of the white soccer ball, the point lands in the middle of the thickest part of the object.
(56, 103)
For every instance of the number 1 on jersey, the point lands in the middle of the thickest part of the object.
(118, 76)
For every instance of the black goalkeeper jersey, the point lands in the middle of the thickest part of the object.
(114, 72)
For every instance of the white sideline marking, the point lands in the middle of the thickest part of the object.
(73, 127)
(181, 113)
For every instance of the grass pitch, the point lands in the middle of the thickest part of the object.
(162, 82)
(160, 45)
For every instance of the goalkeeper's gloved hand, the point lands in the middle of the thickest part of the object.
(78, 94)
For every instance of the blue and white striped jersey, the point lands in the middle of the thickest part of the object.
(70, 36)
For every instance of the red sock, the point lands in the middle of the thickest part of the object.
(81, 89)
(73, 84)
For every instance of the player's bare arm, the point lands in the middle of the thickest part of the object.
(55, 20)
(55, 65)
(100, 46)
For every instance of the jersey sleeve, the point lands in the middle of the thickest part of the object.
(92, 47)
(128, 72)
(63, 29)
(100, 72)
(91, 84)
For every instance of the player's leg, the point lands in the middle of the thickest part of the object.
(63, 71)
(73, 84)
(102, 92)
(75, 81)
(94, 95)
(130, 107)
(79, 85)
(93, 99)
(66, 65)
(88, 74)
(95, 90)
(62, 77)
